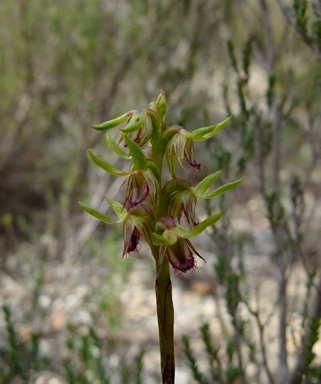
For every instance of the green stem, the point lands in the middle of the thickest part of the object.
(165, 316)
(163, 284)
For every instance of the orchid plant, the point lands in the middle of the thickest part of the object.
(163, 214)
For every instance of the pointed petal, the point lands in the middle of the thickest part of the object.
(115, 147)
(189, 205)
(183, 202)
(152, 185)
(138, 156)
(206, 132)
(99, 215)
(128, 229)
(203, 185)
(118, 208)
(174, 186)
(175, 152)
(137, 189)
(142, 223)
(193, 249)
(113, 123)
(106, 166)
(221, 190)
(175, 206)
(180, 231)
(190, 155)
(179, 148)
(135, 122)
(172, 162)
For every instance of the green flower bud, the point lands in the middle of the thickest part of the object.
(161, 106)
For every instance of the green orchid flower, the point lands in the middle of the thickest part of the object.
(180, 149)
(140, 186)
(175, 244)
(136, 223)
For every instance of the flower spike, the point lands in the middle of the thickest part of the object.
(161, 214)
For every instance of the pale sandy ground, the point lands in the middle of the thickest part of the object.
(69, 288)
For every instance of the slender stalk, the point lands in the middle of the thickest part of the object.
(165, 316)
(163, 284)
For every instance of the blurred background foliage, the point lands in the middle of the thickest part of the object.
(67, 65)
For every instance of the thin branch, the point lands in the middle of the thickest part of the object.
(261, 327)
(269, 44)
(309, 339)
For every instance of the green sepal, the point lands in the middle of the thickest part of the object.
(174, 207)
(138, 156)
(117, 207)
(106, 166)
(221, 190)
(206, 132)
(170, 235)
(136, 121)
(175, 185)
(204, 184)
(112, 123)
(142, 221)
(186, 233)
(115, 147)
(169, 133)
(99, 215)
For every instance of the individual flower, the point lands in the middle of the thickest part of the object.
(183, 202)
(136, 226)
(181, 254)
(142, 132)
(137, 222)
(175, 244)
(140, 186)
(180, 144)
(141, 182)
(178, 249)
(180, 149)
(181, 197)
